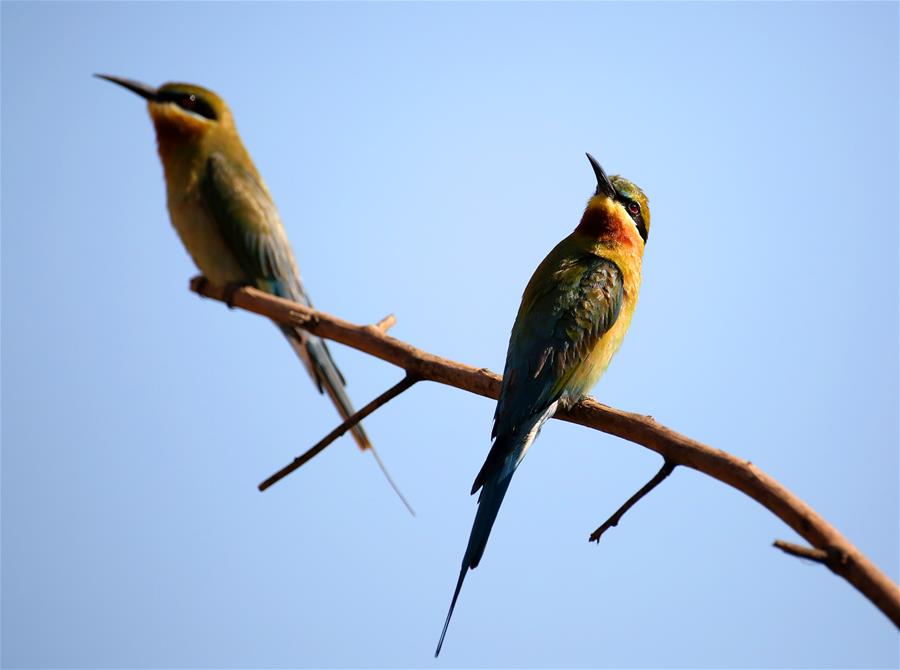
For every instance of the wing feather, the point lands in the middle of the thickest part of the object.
(249, 223)
(246, 216)
(560, 321)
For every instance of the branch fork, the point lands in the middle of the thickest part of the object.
(828, 546)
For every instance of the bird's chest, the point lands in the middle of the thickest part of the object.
(202, 236)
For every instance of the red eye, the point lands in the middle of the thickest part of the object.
(633, 207)
(189, 101)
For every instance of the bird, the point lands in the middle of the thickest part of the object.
(574, 313)
(223, 212)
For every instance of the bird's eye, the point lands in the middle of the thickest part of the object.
(190, 102)
(633, 207)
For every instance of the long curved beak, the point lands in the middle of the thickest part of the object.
(143, 90)
(604, 185)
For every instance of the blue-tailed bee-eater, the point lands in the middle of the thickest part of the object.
(573, 316)
(225, 216)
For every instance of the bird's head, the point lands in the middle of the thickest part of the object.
(618, 211)
(180, 112)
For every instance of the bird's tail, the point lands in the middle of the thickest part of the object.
(492, 494)
(505, 456)
(321, 366)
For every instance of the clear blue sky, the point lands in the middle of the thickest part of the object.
(425, 157)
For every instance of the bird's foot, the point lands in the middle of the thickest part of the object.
(199, 283)
(231, 288)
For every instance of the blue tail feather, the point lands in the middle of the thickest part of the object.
(493, 480)
(315, 355)
(325, 374)
(489, 502)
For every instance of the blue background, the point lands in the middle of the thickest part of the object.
(425, 157)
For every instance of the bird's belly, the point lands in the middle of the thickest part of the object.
(589, 373)
(204, 242)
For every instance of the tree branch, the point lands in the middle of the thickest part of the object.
(643, 430)
(314, 450)
(658, 478)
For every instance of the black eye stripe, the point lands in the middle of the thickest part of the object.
(191, 102)
(642, 229)
(637, 216)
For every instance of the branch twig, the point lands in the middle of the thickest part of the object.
(858, 570)
(664, 472)
(386, 323)
(319, 446)
(829, 557)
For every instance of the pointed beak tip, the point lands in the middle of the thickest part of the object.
(604, 185)
(139, 88)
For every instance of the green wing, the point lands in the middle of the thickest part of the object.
(251, 227)
(570, 303)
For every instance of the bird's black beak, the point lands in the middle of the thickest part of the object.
(147, 92)
(604, 185)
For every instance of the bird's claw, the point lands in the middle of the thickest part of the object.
(199, 283)
(231, 288)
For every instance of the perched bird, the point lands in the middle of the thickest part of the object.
(574, 314)
(226, 219)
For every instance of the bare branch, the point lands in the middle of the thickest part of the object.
(637, 428)
(386, 323)
(829, 557)
(664, 472)
(319, 446)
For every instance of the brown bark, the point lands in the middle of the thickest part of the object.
(675, 448)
